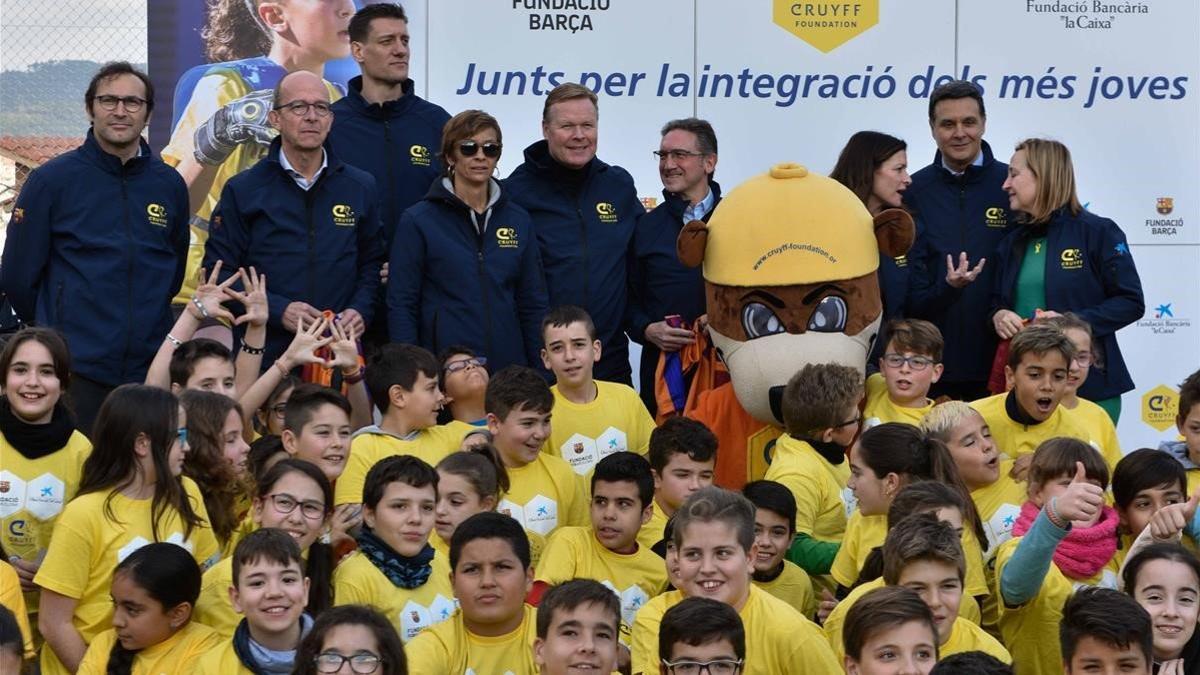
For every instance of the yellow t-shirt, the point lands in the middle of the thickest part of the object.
(32, 494)
(575, 553)
(968, 637)
(652, 532)
(12, 598)
(545, 494)
(999, 506)
(536, 544)
(881, 409)
(778, 638)
(212, 91)
(221, 660)
(450, 648)
(864, 533)
(177, 655)
(357, 581)
(369, 447)
(822, 500)
(1104, 433)
(213, 607)
(793, 586)
(1015, 439)
(1030, 630)
(87, 546)
(615, 421)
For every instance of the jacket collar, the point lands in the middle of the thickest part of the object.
(973, 174)
(442, 190)
(676, 204)
(538, 157)
(111, 163)
(385, 110)
(332, 163)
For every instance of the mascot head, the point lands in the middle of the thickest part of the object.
(790, 260)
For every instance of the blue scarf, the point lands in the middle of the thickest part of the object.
(402, 571)
(260, 660)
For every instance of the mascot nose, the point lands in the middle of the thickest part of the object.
(775, 396)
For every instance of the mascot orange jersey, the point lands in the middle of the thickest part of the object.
(790, 260)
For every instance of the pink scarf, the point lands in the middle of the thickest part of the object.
(1084, 552)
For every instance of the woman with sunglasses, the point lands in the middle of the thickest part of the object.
(465, 267)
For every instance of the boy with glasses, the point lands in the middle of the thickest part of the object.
(701, 634)
(464, 381)
(910, 364)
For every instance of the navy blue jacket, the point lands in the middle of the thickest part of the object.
(96, 249)
(322, 246)
(435, 300)
(957, 213)
(585, 238)
(1089, 272)
(397, 142)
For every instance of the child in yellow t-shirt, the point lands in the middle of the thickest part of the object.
(153, 593)
(472, 481)
(683, 459)
(924, 553)
(544, 493)
(1187, 422)
(403, 381)
(347, 638)
(270, 589)
(1039, 363)
(395, 570)
(41, 452)
(910, 364)
(774, 528)
(12, 600)
(608, 551)
(715, 553)
(702, 630)
(592, 419)
(1065, 537)
(493, 628)
(820, 414)
(463, 379)
(1143, 483)
(882, 461)
(888, 626)
(293, 496)
(1089, 415)
(131, 493)
(1105, 631)
(577, 627)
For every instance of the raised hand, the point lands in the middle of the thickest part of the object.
(254, 299)
(303, 348)
(962, 274)
(210, 295)
(1007, 323)
(1168, 522)
(345, 348)
(1082, 500)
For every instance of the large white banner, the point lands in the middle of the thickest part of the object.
(793, 79)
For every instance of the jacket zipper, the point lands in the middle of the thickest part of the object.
(483, 289)
(128, 269)
(312, 241)
(584, 242)
(391, 219)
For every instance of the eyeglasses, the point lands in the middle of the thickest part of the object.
(469, 148)
(856, 420)
(677, 155)
(278, 409)
(300, 108)
(285, 504)
(1084, 359)
(714, 667)
(181, 434)
(132, 103)
(917, 363)
(457, 366)
(361, 663)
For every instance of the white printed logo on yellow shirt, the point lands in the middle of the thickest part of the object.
(1108, 579)
(583, 452)
(539, 514)
(138, 542)
(632, 599)
(849, 501)
(42, 497)
(999, 527)
(416, 617)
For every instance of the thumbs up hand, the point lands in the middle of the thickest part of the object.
(1082, 500)
(1171, 520)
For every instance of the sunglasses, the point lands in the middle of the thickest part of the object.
(469, 148)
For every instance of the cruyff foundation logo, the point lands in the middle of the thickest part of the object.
(606, 212)
(156, 214)
(343, 215)
(1160, 405)
(419, 155)
(994, 216)
(506, 237)
(1071, 259)
(825, 24)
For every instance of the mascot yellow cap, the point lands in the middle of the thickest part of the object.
(788, 227)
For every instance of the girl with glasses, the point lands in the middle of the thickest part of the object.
(352, 639)
(293, 496)
(132, 493)
(465, 267)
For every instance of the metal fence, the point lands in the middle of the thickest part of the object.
(48, 52)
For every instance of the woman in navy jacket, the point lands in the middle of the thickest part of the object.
(465, 267)
(1065, 259)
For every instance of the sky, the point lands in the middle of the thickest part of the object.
(94, 30)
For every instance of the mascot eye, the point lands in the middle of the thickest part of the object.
(830, 316)
(759, 321)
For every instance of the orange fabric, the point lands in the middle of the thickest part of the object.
(700, 364)
(743, 443)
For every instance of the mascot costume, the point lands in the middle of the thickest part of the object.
(790, 260)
